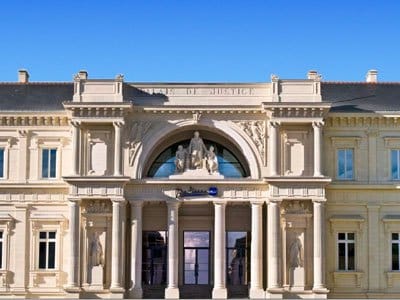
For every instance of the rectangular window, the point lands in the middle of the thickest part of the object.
(345, 164)
(47, 250)
(1, 162)
(49, 157)
(395, 164)
(395, 251)
(237, 255)
(154, 257)
(1, 249)
(346, 251)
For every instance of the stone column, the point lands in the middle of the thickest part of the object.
(373, 248)
(118, 207)
(256, 256)
(273, 148)
(73, 274)
(219, 290)
(317, 126)
(75, 147)
(136, 249)
(273, 283)
(117, 148)
(319, 230)
(172, 290)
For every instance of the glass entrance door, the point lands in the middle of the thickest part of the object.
(196, 257)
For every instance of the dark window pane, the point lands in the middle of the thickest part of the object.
(395, 257)
(341, 164)
(395, 236)
(1, 254)
(45, 163)
(42, 255)
(43, 234)
(154, 257)
(1, 162)
(394, 163)
(341, 236)
(351, 256)
(52, 255)
(52, 235)
(350, 236)
(342, 258)
(349, 163)
(53, 154)
(1, 234)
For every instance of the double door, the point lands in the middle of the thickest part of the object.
(196, 257)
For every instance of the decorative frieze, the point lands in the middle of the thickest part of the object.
(256, 131)
(30, 120)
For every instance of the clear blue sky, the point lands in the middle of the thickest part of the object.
(195, 40)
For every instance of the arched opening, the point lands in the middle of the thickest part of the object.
(232, 163)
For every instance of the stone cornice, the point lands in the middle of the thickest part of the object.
(98, 109)
(361, 120)
(34, 119)
(296, 110)
(192, 109)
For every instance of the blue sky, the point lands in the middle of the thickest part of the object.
(228, 41)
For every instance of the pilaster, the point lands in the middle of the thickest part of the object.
(256, 255)
(172, 290)
(136, 290)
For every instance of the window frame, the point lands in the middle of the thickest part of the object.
(49, 149)
(345, 142)
(345, 178)
(5, 144)
(47, 240)
(346, 242)
(247, 249)
(391, 164)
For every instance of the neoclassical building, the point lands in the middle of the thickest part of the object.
(280, 189)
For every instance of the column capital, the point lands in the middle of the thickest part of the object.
(75, 123)
(220, 202)
(273, 200)
(118, 124)
(274, 124)
(73, 199)
(118, 200)
(173, 204)
(318, 124)
(257, 202)
(136, 203)
(321, 200)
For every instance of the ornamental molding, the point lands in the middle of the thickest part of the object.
(30, 120)
(191, 111)
(137, 130)
(98, 111)
(97, 207)
(362, 120)
(295, 110)
(256, 130)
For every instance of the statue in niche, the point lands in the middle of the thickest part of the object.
(296, 252)
(197, 149)
(212, 161)
(96, 251)
(180, 159)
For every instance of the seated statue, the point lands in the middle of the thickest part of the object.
(212, 161)
(180, 158)
(197, 151)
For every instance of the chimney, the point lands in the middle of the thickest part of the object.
(372, 76)
(313, 75)
(23, 76)
(83, 74)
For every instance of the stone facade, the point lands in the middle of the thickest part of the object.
(316, 207)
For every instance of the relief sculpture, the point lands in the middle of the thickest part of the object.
(136, 133)
(256, 131)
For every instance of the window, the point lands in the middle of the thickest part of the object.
(1, 249)
(345, 163)
(154, 258)
(395, 164)
(237, 244)
(346, 251)
(228, 164)
(47, 250)
(395, 251)
(196, 256)
(49, 157)
(1, 162)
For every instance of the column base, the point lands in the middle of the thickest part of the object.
(274, 293)
(320, 293)
(72, 288)
(136, 293)
(171, 293)
(117, 291)
(220, 293)
(256, 293)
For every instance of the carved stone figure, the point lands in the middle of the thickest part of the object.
(197, 149)
(96, 251)
(180, 159)
(136, 133)
(212, 161)
(296, 253)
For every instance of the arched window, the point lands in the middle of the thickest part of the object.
(228, 164)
